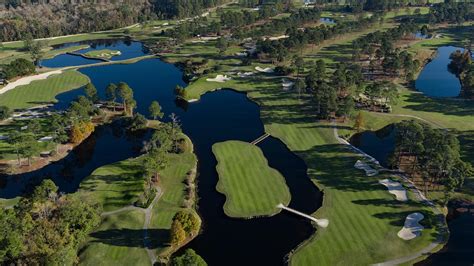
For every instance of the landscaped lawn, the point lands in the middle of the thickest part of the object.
(252, 188)
(115, 185)
(172, 184)
(363, 217)
(118, 241)
(43, 91)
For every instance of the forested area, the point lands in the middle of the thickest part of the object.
(452, 12)
(433, 155)
(461, 65)
(46, 228)
(41, 20)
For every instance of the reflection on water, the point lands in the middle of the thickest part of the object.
(435, 79)
(218, 116)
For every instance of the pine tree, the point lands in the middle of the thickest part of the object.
(359, 122)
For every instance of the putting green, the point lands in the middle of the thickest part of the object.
(252, 188)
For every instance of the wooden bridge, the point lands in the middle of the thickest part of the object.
(320, 222)
(260, 139)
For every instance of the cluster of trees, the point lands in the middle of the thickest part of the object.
(451, 11)
(18, 67)
(190, 257)
(184, 8)
(335, 95)
(432, 154)
(461, 64)
(46, 228)
(185, 224)
(62, 18)
(279, 49)
(5, 112)
(380, 5)
(378, 47)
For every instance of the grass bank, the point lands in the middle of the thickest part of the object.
(41, 92)
(117, 187)
(252, 188)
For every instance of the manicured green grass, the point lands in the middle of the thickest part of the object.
(43, 91)
(364, 217)
(118, 241)
(115, 185)
(104, 54)
(252, 188)
(172, 183)
(9, 203)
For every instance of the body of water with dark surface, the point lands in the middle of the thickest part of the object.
(435, 79)
(128, 49)
(218, 116)
(379, 144)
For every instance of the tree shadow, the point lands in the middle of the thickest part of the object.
(458, 107)
(130, 237)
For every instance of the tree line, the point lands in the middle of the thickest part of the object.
(378, 48)
(297, 39)
(461, 64)
(62, 18)
(46, 227)
(430, 154)
(451, 11)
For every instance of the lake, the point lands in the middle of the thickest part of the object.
(218, 116)
(435, 79)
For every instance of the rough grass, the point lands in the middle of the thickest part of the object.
(251, 187)
(118, 241)
(43, 91)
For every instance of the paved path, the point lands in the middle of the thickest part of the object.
(148, 214)
(319, 222)
(419, 197)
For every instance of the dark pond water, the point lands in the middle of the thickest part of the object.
(108, 144)
(128, 49)
(460, 249)
(435, 79)
(379, 144)
(219, 116)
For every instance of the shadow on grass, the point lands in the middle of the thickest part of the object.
(419, 102)
(333, 166)
(130, 237)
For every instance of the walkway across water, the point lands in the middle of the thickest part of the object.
(260, 139)
(320, 222)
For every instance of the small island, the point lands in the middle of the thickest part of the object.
(252, 188)
(103, 54)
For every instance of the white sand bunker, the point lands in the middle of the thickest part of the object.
(287, 84)
(412, 228)
(220, 78)
(276, 38)
(369, 171)
(245, 74)
(265, 70)
(396, 189)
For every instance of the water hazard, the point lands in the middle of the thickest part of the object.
(218, 116)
